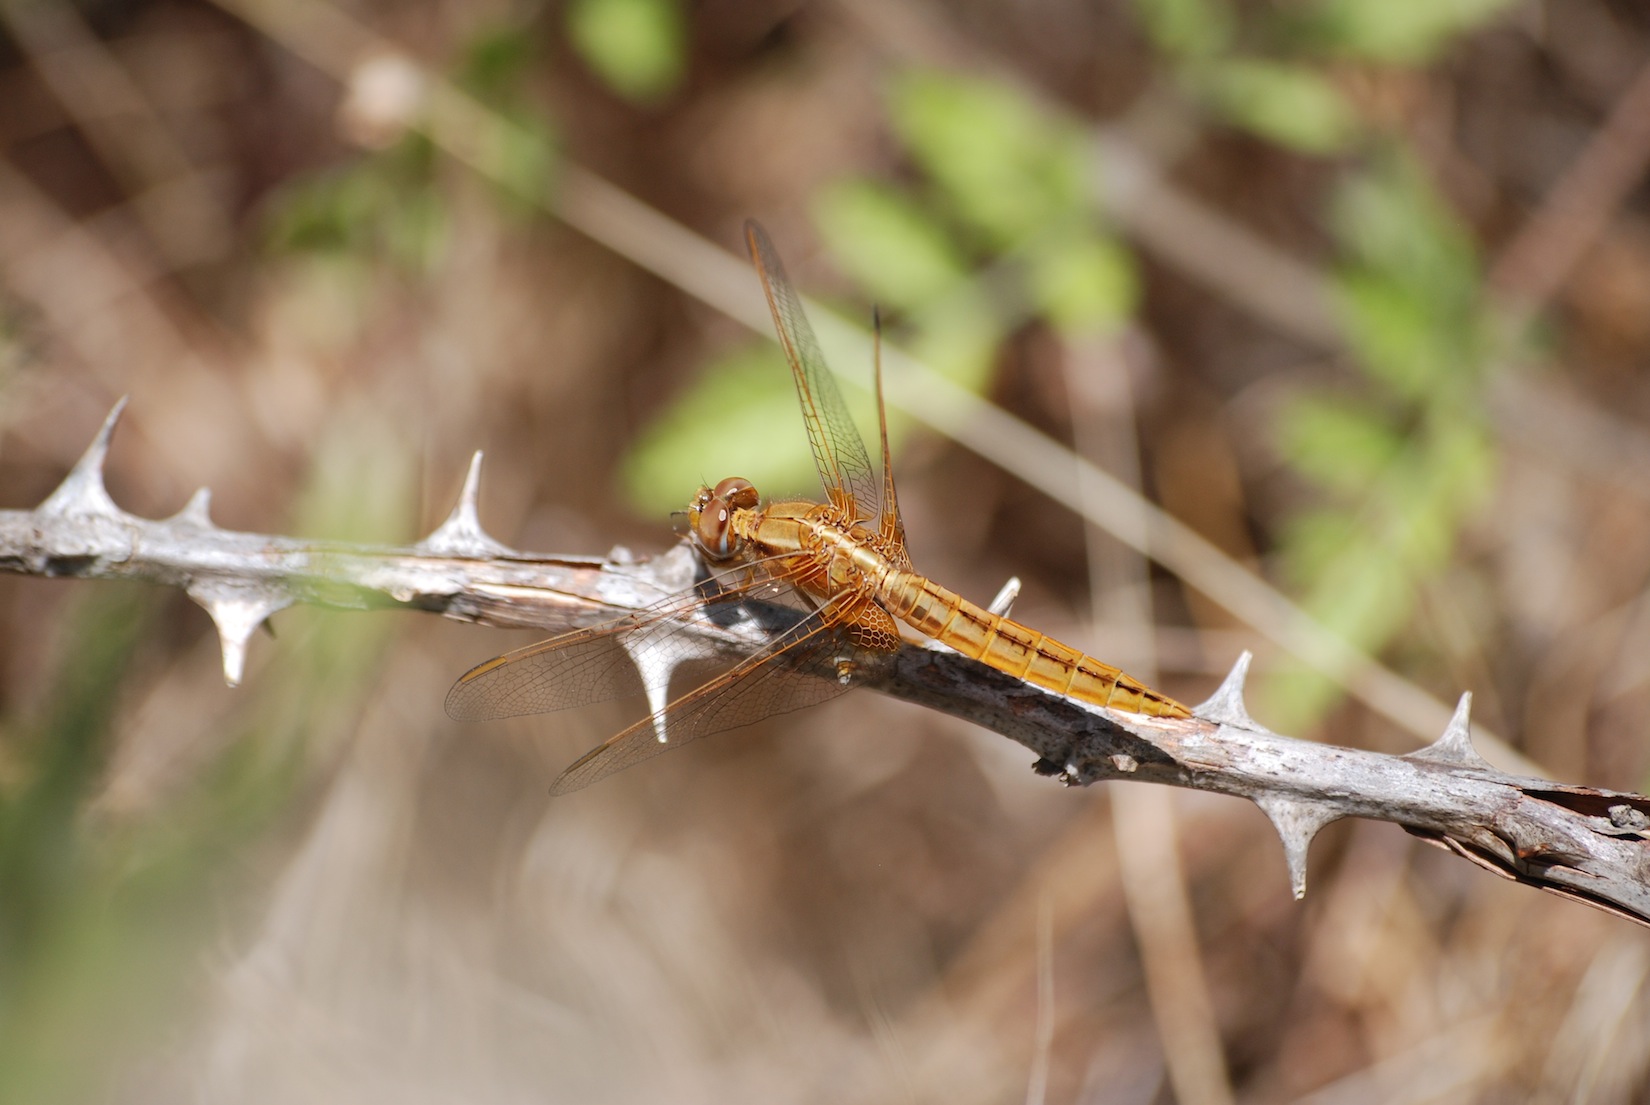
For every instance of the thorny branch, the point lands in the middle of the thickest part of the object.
(1579, 842)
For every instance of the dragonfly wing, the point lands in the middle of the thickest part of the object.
(839, 453)
(793, 672)
(889, 525)
(569, 670)
(601, 661)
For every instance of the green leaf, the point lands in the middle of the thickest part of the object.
(383, 207)
(958, 338)
(1399, 336)
(1366, 596)
(1408, 292)
(1312, 540)
(1447, 477)
(1342, 445)
(1466, 458)
(1390, 218)
(523, 158)
(1418, 460)
(1083, 283)
(1292, 696)
(1288, 104)
(495, 61)
(1186, 28)
(739, 419)
(888, 243)
(322, 214)
(637, 47)
(1003, 167)
(1404, 32)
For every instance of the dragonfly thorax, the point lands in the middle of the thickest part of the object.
(710, 517)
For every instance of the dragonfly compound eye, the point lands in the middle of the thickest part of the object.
(738, 493)
(713, 529)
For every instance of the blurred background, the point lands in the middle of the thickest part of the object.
(1355, 289)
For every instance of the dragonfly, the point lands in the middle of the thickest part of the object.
(842, 562)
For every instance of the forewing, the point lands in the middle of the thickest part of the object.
(793, 672)
(839, 453)
(589, 665)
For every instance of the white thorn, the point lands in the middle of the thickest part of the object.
(1004, 602)
(236, 614)
(1225, 706)
(197, 511)
(1297, 822)
(82, 491)
(1455, 746)
(655, 671)
(461, 534)
(1124, 762)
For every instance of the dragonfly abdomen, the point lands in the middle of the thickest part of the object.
(1018, 650)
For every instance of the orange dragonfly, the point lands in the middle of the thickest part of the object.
(843, 562)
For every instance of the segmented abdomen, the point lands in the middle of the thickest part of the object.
(1016, 649)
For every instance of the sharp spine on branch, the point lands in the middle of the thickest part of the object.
(1004, 602)
(82, 491)
(655, 672)
(461, 534)
(196, 512)
(1225, 706)
(237, 612)
(1455, 746)
(1297, 821)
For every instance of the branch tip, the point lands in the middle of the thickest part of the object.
(82, 491)
(1225, 706)
(461, 534)
(1297, 822)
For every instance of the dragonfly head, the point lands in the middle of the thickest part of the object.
(710, 518)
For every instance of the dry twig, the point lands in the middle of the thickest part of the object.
(1575, 841)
